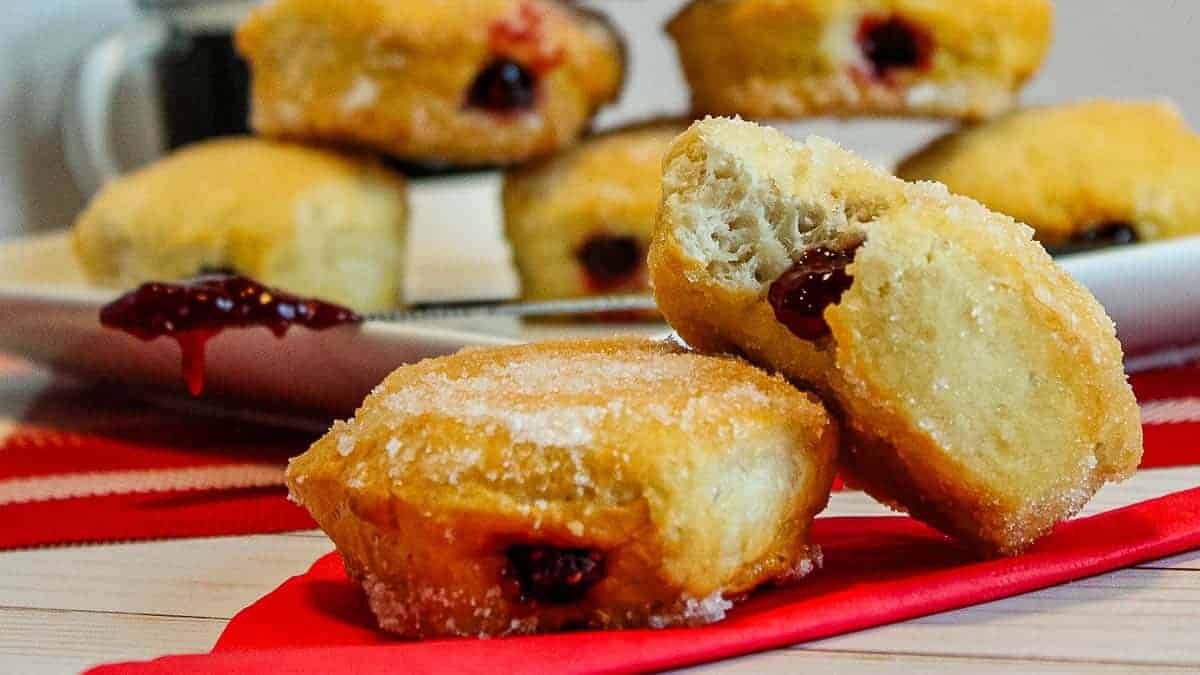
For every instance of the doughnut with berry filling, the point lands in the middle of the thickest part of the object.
(791, 58)
(981, 387)
(1082, 175)
(608, 484)
(580, 223)
(466, 82)
(302, 219)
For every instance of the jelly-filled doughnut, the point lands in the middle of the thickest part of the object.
(302, 219)
(982, 388)
(464, 82)
(1083, 175)
(607, 484)
(580, 223)
(792, 58)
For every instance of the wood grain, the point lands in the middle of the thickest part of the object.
(821, 662)
(207, 578)
(49, 641)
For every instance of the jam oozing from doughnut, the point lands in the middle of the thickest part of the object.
(892, 43)
(555, 575)
(523, 35)
(610, 260)
(191, 313)
(503, 86)
(801, 294)
(523, 51)
(1100, 236)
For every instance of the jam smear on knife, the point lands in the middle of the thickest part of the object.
(192, 312)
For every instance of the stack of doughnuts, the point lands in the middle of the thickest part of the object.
(627, 483)
(430, 86)
(337, 87)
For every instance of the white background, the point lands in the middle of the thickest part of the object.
(1119, 48)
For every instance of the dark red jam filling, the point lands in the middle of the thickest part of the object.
(1101, 236)
(193, 312)
(801, 294)
(503, 86)
(555, 576)
(891, 43)
(610, 261)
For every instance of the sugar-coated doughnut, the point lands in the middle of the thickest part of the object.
(609, 484)
(302, 219)
(466, 82)
(982, 388)
(793, 58)
(1082, 174)
(580, 223)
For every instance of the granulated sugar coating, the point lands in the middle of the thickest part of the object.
(693, 478)
(982, 387)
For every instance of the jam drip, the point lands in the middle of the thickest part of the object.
(555, 575)
(610, 261)
(1100, 236)
(891, 43)
(191, 313)
(801, 294)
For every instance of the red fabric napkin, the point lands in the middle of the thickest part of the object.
(84, 466)
(1170, 400)
(877, 570)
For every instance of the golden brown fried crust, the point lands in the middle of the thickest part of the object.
(608, 186)
(694, 478)
(1068, 169)
(982, 388)
(300, 218)
(393, 75)
(793, 58)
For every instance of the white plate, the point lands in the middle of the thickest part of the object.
(48, 314)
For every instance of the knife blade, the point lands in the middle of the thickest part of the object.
(604, 304)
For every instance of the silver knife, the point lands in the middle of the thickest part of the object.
(604, 304)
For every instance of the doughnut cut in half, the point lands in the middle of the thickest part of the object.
(982, 388)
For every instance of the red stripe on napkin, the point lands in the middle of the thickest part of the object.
(1174, 382)
(163, 443)
(151, 515)
(877, 570)
(1171, 445)
(61, 487)
(87, 465)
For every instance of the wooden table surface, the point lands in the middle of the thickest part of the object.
(62, 609)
